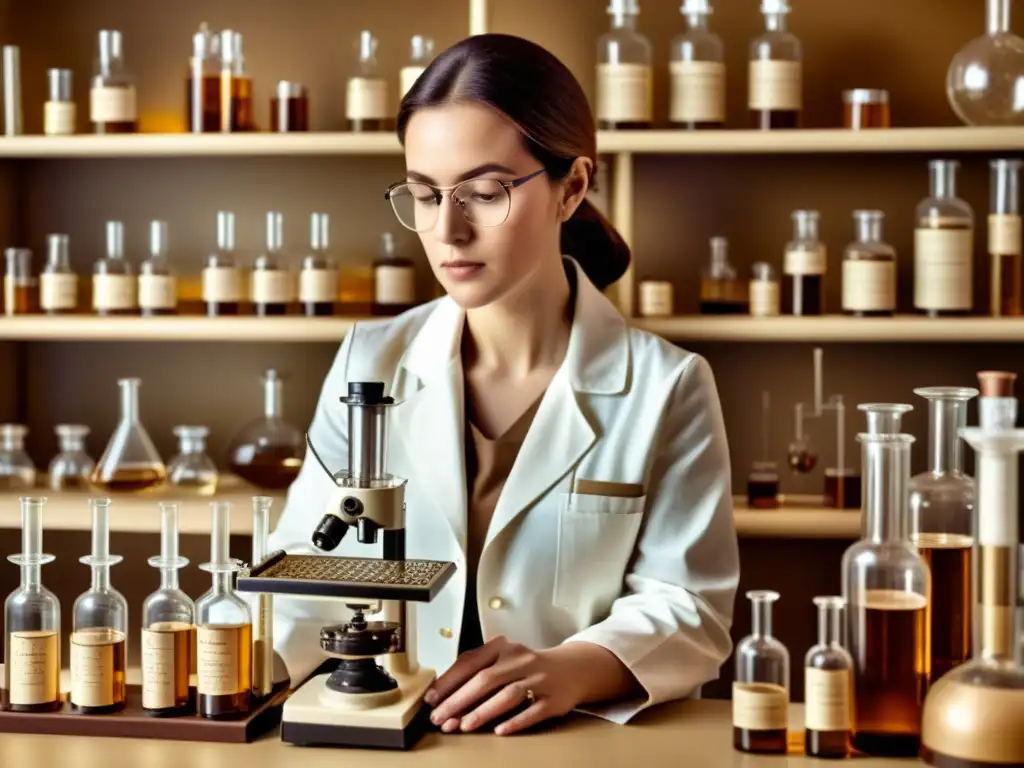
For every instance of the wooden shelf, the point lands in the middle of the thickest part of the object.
(184, 328)
(795, 521)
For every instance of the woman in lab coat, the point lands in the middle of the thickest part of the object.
(574, 469)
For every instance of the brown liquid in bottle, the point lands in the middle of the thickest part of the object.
(117, 127)
(803, 295)
(52, 650)
(272, 469)
(1006, 284)
(242, 116)
(759, 742)
(697, 125)
(100, 640)
(318, 308)
(222, 308)
(210, 120)
(944, 224)
(827, 744)
(238, 702)
(369, 125)
(181, 638)
(131, 479)
(270, 310)
(74, 483)
(842, 489)
(612, 125)
(24, 299)
(296, 114)
(774, 119)
(949, 558)
(161, 312)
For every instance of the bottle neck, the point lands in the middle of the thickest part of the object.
(72, 444)
(775, 22)
(869, 229)
(829, 626)
(697, 21)
(943, 180)
(12, 443)
(222, 583)
(761, 618)
(806, 229)
(31, 577)
(998, 16)
(191, 445)
(624, 21)
(947, 418)
(168, 578)
(100, 577)
(886, 475)
(272, 400)
(129, 402)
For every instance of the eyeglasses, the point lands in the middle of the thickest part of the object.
(483, 202)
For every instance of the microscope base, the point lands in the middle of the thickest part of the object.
(315, 716)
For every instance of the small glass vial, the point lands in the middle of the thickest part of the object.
(775, 77)
(865, 108)
(223, 287)
(763, 485)
(59, 111)
(21, 288)
(17, 472)
(1004, 237)
(420, 54)
(71, 468)
(112, 103)
(272, 283)
(698, 72)
(203, 84)
(869, 269)
(236, 103)
(721, 293)
(366, 99)
(760, 693)
(158, 287)
(289, 108)
(655, 298)
(318, 280)
(806, 260)
(114, 288)
(625, 81)
(191, 467)
(764, 291)
(828, 686)
(58, 283)
(394, 279)
(944, 247)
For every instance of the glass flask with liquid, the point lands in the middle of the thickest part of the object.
(1004, 237)
(698, 72)
(112, 99)
(202, 86)
(58, 283)
(21, 287)
(130, 461)
(237, 111)
(721, 292)
(804, 267)
(191, 468)
(625, 82)
(223, 288)
(828, 685)
(869, 269)
(99, 636)
(17, 472)
(158, 286)
(886, 585)
(421, 51)
(318, 280)
(763, 290)
(272, 282)
(114, 288)
(262, 604)
(268, 451)
(71, 468)
(367, 105)
(775, 72)
(760, 693)
(944, 246)
(32, 639)
(394, 279)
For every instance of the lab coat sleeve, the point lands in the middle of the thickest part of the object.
(670, 627)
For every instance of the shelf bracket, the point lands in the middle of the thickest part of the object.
(622, 219)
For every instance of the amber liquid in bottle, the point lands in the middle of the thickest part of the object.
(763, 494)
(759, 742)
(181, 642)
(51, 649)
(222, 308)
(842, 489)
(242, 115)
(132, 479)
(696, 125)
(211, 102)
(803, 294)
(270, 468)
(296, 111)
(774, 119)
(946, 312)
(1006, 293)
(103, 641)
(270, 310)
(116, 127)
(614, 125)
(231, 667)
(369, 124)
(318, 308)
(949, 558)
(24, 299)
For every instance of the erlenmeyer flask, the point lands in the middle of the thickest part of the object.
(130, 461)
(268, 451)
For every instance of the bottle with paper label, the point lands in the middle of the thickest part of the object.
(944, 247)
(114, 287)
(721, 291)
(697, 71)
(869, 269)
(367, 102)
(112, 102)
(764, 292)
(318, 280)
(804, 267)
(236, 86)
(394, 279)
(59, 111)
(775, 78)
(58, 283)
(625, 80)
(828, 685)
(273, 284)
(223, 284)
(421, 52)
(1004, 238)
(158, 286)
(760, 692)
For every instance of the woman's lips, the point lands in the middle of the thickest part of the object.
(461, 270)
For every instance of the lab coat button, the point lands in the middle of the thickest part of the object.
(496, 603)
(445, 632)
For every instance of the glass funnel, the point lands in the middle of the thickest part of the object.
(760, 693)
(828, 685)
(17, 471)
(191, 467)
(130, 461)
(268, 452)
(71, 467)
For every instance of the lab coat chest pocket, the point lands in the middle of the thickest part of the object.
(596, 535)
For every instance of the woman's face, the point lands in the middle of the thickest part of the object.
(479, 265)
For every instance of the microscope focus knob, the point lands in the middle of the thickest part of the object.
(329, 533)
(350, 505)
(366, 530)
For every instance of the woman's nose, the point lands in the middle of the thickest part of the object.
(451, 226)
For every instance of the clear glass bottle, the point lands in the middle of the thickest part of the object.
(394, 279)
(828, 685)
(224, 631)
(32, 639)
(112, 102)
(158, 286)
(420, 53)
(262, 605)
(71, 468)
(272, 283)
(99, 636)
(944, 246)
(1004, 237)
(367, 105)
(625, 81)
(760, 693)
(223, 287)
(191, 468)
(58, 283)
(168, 626)
(318, 280)
(804, 267)
(237, 111)
(985, 79)
(697, 69)
(202, 85)
(268, 452)
(60, 112)
(764, 291)
(721, 292)
(21, 288)
(130, 462)
(17, 471)
(942, 526)
(869, 269)
(114, 287)
(775, 72)
(886, 585)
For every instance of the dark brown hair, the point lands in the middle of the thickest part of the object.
(539, 94)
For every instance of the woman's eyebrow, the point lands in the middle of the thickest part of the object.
(485, 168)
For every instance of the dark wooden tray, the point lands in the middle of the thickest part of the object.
(132, 722)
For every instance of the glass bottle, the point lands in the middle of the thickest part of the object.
(289, 107)
(114, 288)
(394, 279)
(869, 269)
(202, 86)
(99, 636)
(997, 406)
(625, 82)
(763, 480)
(366, 99)
(760, 693)
(764, 290)
(944, 246)
(886, 585)
(112, 103)
(71, 467)
(985, 79)
(1004, 237)
(272, 288)
(16, 468)
(268, 452)
(168, 618)
(318, 280)
(191, 467)
(828, 685)
(223, 289)
(59, 112)
(262, 604)
(236, 93)
(58, 283)
(721, 293)
(420, 54)
(942, 526)
(130, 461)
(32, 640)
(806, 261)
(224, 631)
(158, 287)
(775, 76)
(698, 72)
(21, 289)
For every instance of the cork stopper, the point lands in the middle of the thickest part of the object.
(996, 383)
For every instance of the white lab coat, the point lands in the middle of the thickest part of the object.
(652, 579)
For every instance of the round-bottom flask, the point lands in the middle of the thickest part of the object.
(268, 452)
(760, 693)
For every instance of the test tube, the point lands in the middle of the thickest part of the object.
(100, 555)
(263, 623)
(1004, 237)
(19, 285)
(12, 90)
(220, 534)
(275, 231)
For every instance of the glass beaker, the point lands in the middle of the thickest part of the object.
(71, 467)
(16, 468)
(130, 461)
(721, 293)
(625, 83)
(828, 685)
(191, 467)
(268, 452)
(760, 693)
(698, 72)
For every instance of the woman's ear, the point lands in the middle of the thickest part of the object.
(575, 186)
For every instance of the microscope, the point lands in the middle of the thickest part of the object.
(361, 703)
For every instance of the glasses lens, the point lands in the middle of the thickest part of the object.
(484, 202)
(415, 206)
